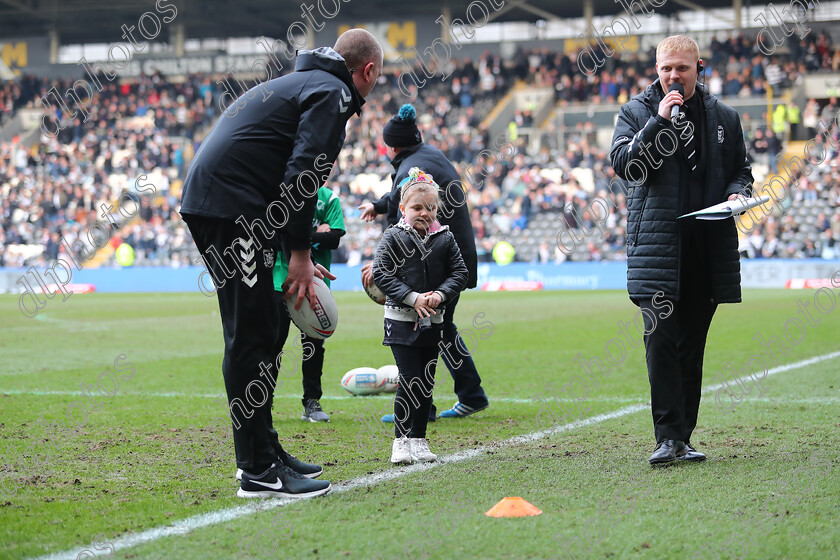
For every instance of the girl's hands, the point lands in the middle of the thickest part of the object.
(423, 307)
(433, 299)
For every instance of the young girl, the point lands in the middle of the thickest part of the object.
(419, 267)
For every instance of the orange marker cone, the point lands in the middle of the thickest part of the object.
(513, 507)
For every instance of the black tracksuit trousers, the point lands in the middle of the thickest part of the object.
(417, 365)
(245, 290)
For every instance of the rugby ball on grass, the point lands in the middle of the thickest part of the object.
(362, 381)
(321, 321)
(375, 293)
(391, 377)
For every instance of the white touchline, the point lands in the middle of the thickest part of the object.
(385, 398)
(325, 398)
(190, 524)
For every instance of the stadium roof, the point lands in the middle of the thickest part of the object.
(99, 21)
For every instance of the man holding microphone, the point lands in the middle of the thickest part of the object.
(682, 150)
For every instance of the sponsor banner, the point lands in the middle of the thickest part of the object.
(75, 288)
(808, 283)
(762, 273)
(566, 276)
(511, 286)
(775, 273)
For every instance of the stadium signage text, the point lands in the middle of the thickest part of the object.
(191, 65)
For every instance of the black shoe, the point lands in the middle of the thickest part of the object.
(692, 455)
(666, 451)
(306, 469)
(279, 481)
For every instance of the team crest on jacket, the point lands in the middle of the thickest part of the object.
(268, 258)
(720, 134)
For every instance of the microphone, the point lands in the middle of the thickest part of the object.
(676, 108)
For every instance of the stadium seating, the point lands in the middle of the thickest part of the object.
(151, 124)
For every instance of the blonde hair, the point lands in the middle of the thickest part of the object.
(419, 182)
(678, 43)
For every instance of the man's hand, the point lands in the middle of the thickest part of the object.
(422, 307)
(298, 281)
(323, 228)
(367, 274)
(736, 195)
(322, 272)
(368, 213)
(672, 98)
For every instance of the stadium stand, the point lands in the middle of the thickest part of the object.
(153, 124)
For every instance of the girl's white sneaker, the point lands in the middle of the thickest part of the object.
(420, 450)
(401, 451)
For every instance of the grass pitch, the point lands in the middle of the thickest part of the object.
(157, 453)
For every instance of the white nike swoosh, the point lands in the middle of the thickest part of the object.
(274, 485)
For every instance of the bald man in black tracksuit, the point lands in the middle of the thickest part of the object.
(250, 191)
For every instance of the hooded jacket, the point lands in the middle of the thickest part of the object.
(277, 142)
(453, 211)
(653, 234)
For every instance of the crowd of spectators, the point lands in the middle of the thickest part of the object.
(736, 67)
(152, 125)
(809, 226)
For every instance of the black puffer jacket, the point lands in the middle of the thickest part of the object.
(453, 199)
(407, 264)
(653, 234)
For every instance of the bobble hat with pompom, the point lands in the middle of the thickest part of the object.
(401, 131)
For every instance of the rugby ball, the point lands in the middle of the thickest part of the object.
(362, 381)
(375, 293)
(391, 376)
(321, 321)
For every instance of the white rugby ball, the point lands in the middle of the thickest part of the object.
(391, 376)
(321, 321)
(375, 293)
(362, 381)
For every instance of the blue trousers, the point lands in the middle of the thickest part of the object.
(460, 364)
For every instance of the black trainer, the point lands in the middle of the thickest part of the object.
(279, 481)
(306, 469)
